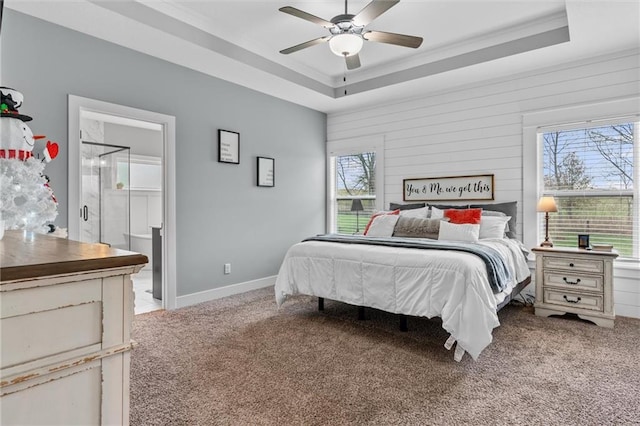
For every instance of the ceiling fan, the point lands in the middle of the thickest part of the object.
(348, 34)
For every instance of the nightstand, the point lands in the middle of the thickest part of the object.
(575, 281)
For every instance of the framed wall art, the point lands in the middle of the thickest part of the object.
(266, 171)
(228, 147)
(448, 188)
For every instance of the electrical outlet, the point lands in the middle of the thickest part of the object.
(227, 268)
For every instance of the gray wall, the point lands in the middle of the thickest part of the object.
(222, 216)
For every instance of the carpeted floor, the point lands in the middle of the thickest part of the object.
(241, 361)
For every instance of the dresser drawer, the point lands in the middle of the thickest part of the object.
(573, 281)
(573, 300)
(579, 265)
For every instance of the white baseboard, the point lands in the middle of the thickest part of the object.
(230, 290)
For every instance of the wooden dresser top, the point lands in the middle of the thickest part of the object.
(25, 255)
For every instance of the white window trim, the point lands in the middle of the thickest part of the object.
(536, 121)
(349, 147)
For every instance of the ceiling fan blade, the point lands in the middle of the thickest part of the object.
(353, 61)
(393, 38)
(372, 11)
(305, 45)
(306, 16)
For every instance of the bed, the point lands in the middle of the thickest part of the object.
(463, 282)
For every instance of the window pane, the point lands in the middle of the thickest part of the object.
(591, 174)
(355, 189)
(607, 220)
(599, 158)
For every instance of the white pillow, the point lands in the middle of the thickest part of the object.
(493, 226)
(436, 213)
(383, 225)
(422, 212)
(459, 232)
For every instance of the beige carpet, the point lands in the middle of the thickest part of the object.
(241, 361)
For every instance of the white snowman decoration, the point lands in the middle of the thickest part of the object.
(16, 138)
(26, 200)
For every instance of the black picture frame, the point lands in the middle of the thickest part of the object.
(266, 171)
(583, 241)
(228, 147)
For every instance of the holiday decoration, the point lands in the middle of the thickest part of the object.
(26, 199)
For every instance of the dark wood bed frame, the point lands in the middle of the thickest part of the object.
(403, 318)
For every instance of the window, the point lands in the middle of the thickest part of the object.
(355, 190)
(592, 171)
(355, 183)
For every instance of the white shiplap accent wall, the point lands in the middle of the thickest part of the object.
(477, 129)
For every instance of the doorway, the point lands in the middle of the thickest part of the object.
(109, 179)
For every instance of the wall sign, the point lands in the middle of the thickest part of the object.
(228, 147)
(449, 188)
(266, 171)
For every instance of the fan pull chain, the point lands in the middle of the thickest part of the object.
(344, 79)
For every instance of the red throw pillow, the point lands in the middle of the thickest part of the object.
(460, 216)
(366, 228)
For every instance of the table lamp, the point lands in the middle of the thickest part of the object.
(356, 206)
(547, 205)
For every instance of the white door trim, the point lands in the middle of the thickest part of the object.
(78, 104)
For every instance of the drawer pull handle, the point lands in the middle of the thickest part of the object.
(571, 265)
(577, 281)
(570, 300)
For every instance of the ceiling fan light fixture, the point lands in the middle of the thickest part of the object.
(346, 44)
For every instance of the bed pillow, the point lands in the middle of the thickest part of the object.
(459, 232)
(436, 213)
(449, 206)
(509, 208)
(493, 226)
(396, 206)
(414, 227)
(373, 216)
(382, 225)
(461, 216)
(422, 212)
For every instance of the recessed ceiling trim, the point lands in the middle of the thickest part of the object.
(514, 47)
(151, 17)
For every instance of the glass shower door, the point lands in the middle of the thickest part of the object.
(106, 200)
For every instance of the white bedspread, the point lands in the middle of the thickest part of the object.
(449, 284)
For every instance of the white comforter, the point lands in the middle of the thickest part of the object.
(450, 284)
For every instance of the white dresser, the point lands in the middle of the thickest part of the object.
(65, 313)
(575, 281)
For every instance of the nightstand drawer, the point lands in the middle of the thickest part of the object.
(574, 281)
(569, 264)
(573, 300)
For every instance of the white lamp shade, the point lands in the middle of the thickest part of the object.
(345, 44)
(547, 204)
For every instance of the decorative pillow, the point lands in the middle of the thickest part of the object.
(366, 228)
(414, 227)
(383, 225)
(422, 212)
(459, 232)
(493, 226)
(492, 213)
(436, 213)
(395, 206)
(449, 206)
(460, 216)
(509, 208)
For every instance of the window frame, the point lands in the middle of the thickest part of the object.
(571, 117)
(350, 147)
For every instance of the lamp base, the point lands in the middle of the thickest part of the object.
(546, 243)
